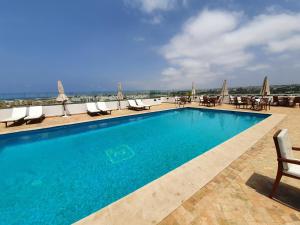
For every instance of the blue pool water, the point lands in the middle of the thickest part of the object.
(60, 175)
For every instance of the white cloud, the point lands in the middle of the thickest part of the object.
(215, 43)
(258, 67)
(150, 6)
(292, 43)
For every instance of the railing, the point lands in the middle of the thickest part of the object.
(75, 108)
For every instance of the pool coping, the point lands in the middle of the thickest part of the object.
(107, 117)
(153, 202)
(119, 116)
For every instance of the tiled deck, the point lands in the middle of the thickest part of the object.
(54, 121)
(238, 195)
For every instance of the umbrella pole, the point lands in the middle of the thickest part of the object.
(64, 108)
(119, 105)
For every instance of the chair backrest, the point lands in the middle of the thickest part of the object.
(35, 111)
(183, 99)
(19, 112)
(102, 106)
(297, 99)
(139, 102)
(283, 147)
(132, 103)
(91, 106)
(239, 99)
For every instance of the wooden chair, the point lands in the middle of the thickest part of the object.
(238, 102)
(212, 101)
(265, 103)
(231, 100)
(287, 164)
(275, 101)
(201, 100)
(297, 100)
(182, 101)
(206, 101)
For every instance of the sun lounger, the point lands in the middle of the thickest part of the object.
(288, 165)
(133, 105)
(92, 108)
(140, 103)
(16, 115)
(34, 113)
(103, 108)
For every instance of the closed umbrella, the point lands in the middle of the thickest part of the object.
(120, 95)
(61, 96)
(193, 90)
(224, 92)
(265, 89)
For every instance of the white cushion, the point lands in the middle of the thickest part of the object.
(102, 106)
(17, 114)
(34, 112)
(132, 103)
(285, 147)
(140, 103)
(293, 170)
(91, 107)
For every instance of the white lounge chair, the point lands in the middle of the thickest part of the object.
(133, 105)
(103, 108)
(288, 165)
(16, 115)
(92, 108)
(140, 103)
(34, 113)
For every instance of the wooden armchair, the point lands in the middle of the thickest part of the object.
(182, 101)
(212, 101)
(287, 164)
(201, 100)
(297, 100)
(206, 101)
(265, 103)
(231, 100)
(238, 102)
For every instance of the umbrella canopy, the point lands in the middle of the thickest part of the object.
(224, 91)
(120, 95)
(61, 93)
(193, 89)
(265, 89)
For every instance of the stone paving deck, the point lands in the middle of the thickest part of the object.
(54, 121)
(237, 195)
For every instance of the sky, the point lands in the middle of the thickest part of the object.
(147, 44)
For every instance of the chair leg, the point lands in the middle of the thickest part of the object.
(276, 183)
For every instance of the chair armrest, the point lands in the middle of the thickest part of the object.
(296, 148)
(293, 161)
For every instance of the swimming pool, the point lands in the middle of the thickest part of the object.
(60, 175)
